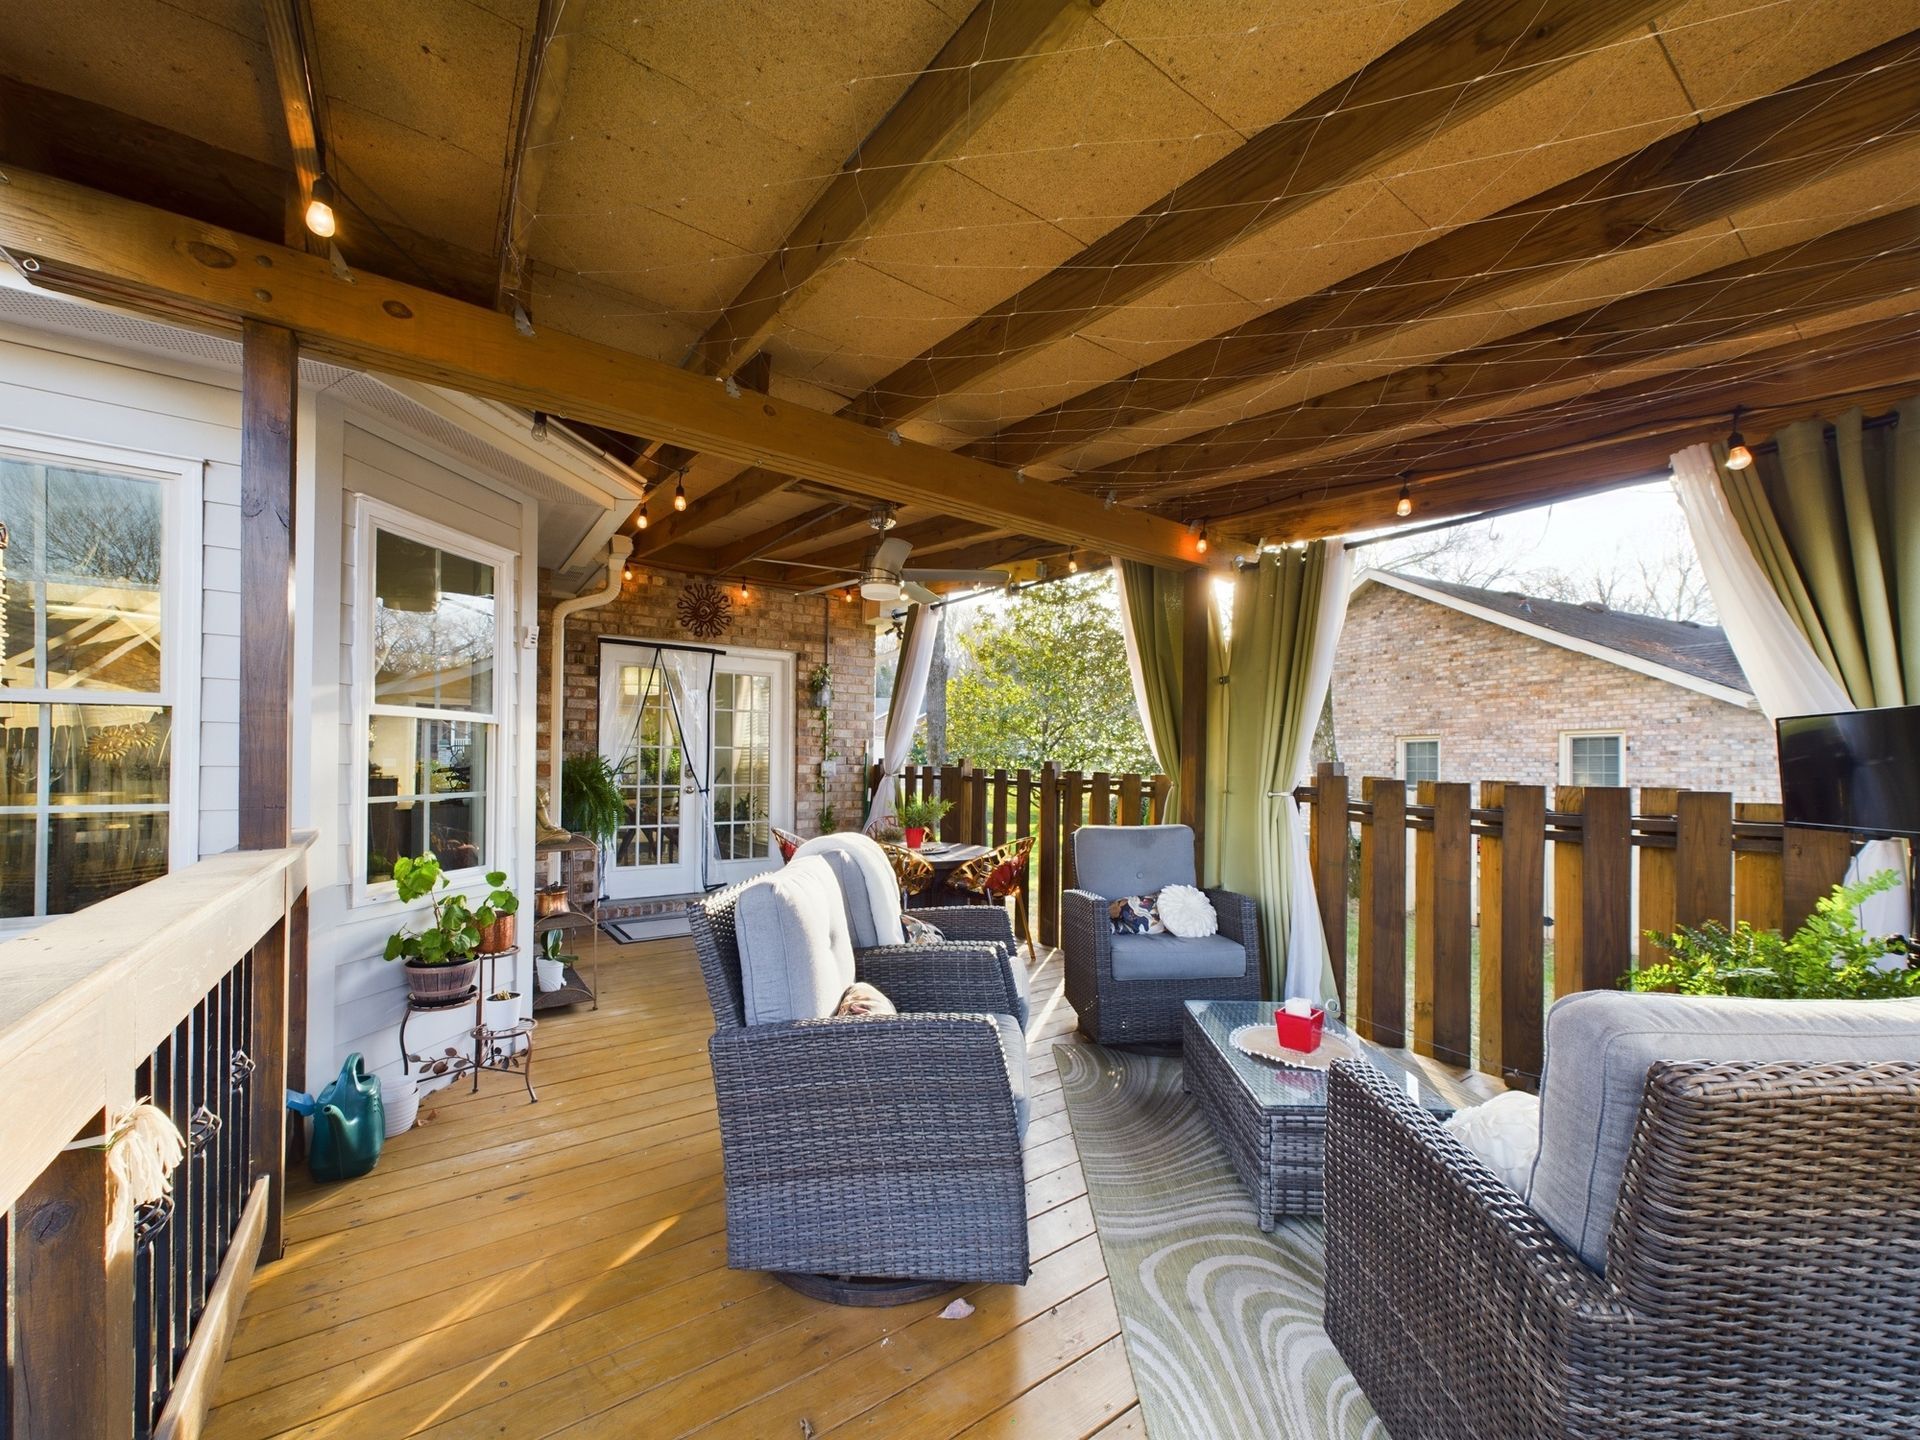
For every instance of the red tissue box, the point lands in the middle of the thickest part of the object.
(1300, 1032)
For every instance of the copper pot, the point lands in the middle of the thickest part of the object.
(498, 937)
(550, 900)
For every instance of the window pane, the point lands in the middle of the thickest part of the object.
(458, 832)
(20, 756)
(1421, 759)
(433, 627)
(109, 755)
(393, 831)
(90, 857)
(1593, 760)
(19, 849)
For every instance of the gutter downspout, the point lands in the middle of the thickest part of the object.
(618, 549)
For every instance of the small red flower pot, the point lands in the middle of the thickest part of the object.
(916, 836)
(1300, 1032)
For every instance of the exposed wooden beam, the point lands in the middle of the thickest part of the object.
(755, 374)
(296, 76)
(548, 65)
(960, 87)
(1875, 259)
(1596, 442)
(1455, 67)
(269, 404)
(825, 520)
(1849, 113)
(923, 536)
(81, 242)
(667, 526)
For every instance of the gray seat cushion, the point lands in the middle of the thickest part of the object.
(1171, 957)
(1120, 860)
(1600, 1044)
(1022, 983)
(796, 958)
(1013, 1045)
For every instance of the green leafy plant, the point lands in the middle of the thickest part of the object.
(499, 900)
(922, 812)
(454, 935)
(1829, 957)
(590, 799)
(550, 944)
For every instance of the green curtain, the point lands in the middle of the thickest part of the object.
(1287, 613)
(1833, 517)
(1151, 597)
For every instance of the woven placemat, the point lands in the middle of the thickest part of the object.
(1263, 1043)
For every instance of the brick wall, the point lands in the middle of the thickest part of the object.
(1499, 702)
(767, 620)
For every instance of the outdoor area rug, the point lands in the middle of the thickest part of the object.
(1222, 1323)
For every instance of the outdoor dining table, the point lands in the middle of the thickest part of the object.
(947, 857)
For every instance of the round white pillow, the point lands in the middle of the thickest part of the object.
(1187, 912)
(1504, 1132)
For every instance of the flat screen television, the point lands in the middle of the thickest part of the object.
(1857, 771)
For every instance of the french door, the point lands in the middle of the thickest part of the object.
(703, 746)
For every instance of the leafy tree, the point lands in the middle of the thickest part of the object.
(1045, 678)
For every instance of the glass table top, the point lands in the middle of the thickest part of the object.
(1273, 1085)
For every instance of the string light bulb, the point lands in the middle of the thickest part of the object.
(1404, 506)
(1739, 457)
(679, 494)
(319, 215)
(1198, 529)
(626, 572)
(743, 590)
(540, 425)
(1073, 565)
(640, 520)
(846, 595)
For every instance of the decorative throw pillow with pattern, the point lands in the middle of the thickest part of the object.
(919, 932)
(1136, 915)
(861, 998)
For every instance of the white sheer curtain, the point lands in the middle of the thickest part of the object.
(1786, 675)
(1136, 668)
(1309, 966)
(909, 692)
(689, 683)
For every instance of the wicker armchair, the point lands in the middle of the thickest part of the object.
(1762, 1274)
(1131, 1007)
(886, 1146)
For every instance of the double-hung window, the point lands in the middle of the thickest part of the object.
(432, 610)
(88, 641)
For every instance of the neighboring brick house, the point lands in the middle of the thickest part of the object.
(1452, 682)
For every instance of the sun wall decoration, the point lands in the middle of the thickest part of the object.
(705, 610)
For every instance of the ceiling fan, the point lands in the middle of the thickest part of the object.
(886, 576)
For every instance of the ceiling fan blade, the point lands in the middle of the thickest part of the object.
(890, 554)
(919, 594)
(959, 577)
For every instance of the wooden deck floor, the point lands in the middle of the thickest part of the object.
(560, 1269)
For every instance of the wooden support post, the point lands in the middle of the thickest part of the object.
(1157, 791)
(269, 399)
(976, 783)
(1443, 925)
(1592, 891)
(1512, 904)
(1381, 1009)
(1327, 844)
(1656, 863)
(1756, 874)
(1129, 800)
(1022, 803)
(72, 1301)
(1812, 862)
(1196, 693)
(269, 1091)
(1099, 805)
(1703, 858)
(296, 1062)
(1049, 855)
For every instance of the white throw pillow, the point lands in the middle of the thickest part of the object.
(1187, 912)
(1504, 1132)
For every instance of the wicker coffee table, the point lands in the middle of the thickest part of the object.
(1272, 1119)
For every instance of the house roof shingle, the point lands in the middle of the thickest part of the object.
(1701, 651)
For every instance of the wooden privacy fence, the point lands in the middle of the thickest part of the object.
(190, 991)
(1683, 857)
(991, 807)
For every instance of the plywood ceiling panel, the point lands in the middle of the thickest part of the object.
(1336, 236)
(1033, 382)
(1188, 308)
(957, 239)
(1727, 54)
(596, 312)
(1890, 182)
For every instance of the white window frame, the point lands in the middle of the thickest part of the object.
(1567, 737)
(1400, 755)
(181, 563)
(370, 516)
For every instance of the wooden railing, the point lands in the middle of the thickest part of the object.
(991, 807)
(179, 992)
(1475, 987)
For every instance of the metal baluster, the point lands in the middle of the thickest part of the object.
(199, 1135)
(185, 1187)
(143, 1267)
(229, 1042)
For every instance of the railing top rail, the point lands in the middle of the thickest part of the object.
(86, 997)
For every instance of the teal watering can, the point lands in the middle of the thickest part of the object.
(349, 1123)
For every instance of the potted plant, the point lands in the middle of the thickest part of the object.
(500, 1011)
(1828, 958)
(919, 814)
(590, 799)
(550, 966)
(820, 686)
(495, 916)
(441, 962)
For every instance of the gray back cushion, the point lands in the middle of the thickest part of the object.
(867, 886)
(1121, 860)
(1600, 1044)
(796, 959)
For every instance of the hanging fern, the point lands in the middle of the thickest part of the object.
(590, 799)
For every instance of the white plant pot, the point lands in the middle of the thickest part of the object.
(501, 1014)
(549, 974)
(400, 1099)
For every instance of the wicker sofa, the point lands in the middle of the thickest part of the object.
(885, 1147)
(1129, 989)
(1759, 1275)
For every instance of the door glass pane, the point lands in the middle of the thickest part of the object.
(109, 755)
(640, 737)
(743, 759)
(433, 626)
(19, 754)
(92, 856)
(19, 854)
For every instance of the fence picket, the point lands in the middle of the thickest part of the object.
(1443, 925)
(1381, 1007)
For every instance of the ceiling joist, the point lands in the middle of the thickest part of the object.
(296, 76)
(549, 64)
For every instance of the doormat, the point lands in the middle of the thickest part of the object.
(658, 925)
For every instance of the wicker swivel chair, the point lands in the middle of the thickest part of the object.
(1130, 989)
(886, 1147)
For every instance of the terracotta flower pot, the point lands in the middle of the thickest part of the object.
(499, 936)
(916, 836)
(440, 984)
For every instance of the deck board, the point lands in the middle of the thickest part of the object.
(560, 1269)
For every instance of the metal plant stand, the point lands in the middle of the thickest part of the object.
(493, 1048)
